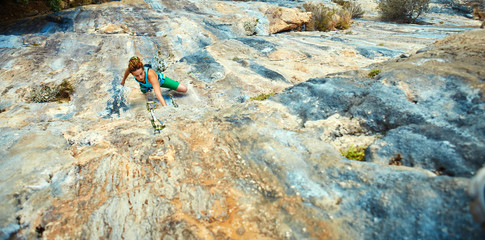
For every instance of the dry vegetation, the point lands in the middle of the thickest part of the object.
(330, 19)
(327, 19)
(51, 93)
(402, 11)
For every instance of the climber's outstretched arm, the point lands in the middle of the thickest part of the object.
(127, 72)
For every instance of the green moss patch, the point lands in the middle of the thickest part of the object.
(262, 97)
(354, 153)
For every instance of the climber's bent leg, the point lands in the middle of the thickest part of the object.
(174, 85)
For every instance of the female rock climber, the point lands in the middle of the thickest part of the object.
(150, 79)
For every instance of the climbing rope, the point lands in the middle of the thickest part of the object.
(136, 33)
(173, 101)
(151, 105)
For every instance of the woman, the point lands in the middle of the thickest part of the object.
(149, 79)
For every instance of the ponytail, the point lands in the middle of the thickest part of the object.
(135, 64)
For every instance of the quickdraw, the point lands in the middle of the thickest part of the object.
(156, 123)
(173, 101)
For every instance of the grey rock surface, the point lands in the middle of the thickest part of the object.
(227, 166)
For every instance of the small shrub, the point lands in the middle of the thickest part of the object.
(402, 11)
(55, 5)
(46, 93)
(250, 27)
(327, 19)
(262, 96)
(354, 8)
(42, 93)
(342, 19)
(64, 90)
(374, 72)
(397, 160)
(342, 3)
(354, 153)
(319, 16)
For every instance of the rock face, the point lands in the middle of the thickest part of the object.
(284, 19)
(429, 114)
(228, 166)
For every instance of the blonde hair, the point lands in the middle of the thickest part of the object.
(135, 64)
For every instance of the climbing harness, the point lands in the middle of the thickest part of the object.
(156, 123)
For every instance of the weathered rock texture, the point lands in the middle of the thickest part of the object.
(227, 166)
(284, 19)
